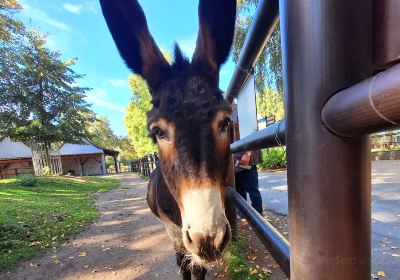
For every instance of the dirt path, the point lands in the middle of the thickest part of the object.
(127, 242)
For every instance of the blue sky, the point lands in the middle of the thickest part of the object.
(77, 29)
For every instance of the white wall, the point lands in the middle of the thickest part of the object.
(91, 166)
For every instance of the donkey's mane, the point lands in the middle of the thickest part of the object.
(181, 64)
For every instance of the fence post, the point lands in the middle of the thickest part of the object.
(148, 161)
(326, 47)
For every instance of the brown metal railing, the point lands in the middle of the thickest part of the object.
(328, 153)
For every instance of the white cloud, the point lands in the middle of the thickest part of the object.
(187, 46)
(40, 16)
(75, 9)
(92, 6)
(97, 98)
(86, 6)
(118, 83)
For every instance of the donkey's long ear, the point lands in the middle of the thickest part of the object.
(128, 26)
(216, 28)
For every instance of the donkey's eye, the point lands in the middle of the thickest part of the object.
(223, 127)
(158, 132)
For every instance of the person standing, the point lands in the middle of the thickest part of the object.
(246, 175)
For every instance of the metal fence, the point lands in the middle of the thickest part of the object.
(333, 101)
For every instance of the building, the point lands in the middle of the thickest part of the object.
(76, 159)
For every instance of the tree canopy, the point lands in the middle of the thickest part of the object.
(101, 134)
(136, 117)
(9, 27)
(39, 96)
(268, 68)
(136, 114)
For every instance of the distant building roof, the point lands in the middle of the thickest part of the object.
(10, 149)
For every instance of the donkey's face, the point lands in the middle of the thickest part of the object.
(189, 119)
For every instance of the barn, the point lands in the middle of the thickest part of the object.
(77, 159)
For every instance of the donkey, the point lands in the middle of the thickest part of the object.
(190, 123)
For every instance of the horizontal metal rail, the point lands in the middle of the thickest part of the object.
(367, 107)
(271, 136)
(264, 22)
(275, 243)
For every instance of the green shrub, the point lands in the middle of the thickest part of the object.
(27, 180)
(273, 158)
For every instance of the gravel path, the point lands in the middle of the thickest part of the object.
(126, 242)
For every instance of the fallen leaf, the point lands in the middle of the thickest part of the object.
(82, 254)
(381, 273)
(266, 270)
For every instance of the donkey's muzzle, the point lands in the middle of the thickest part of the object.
(208, 247)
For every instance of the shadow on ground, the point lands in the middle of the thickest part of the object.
(127, 242)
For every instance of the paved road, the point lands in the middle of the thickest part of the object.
(385, 211)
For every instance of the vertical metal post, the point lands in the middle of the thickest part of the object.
(326, 47)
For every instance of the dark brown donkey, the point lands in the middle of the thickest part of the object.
(189, 122)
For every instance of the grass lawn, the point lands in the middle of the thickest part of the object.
(35, 218)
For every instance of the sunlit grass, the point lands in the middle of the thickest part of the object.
(238, 267)
(35, 218)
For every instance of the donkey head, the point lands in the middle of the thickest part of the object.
(189, 119)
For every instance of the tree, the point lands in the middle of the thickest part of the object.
(100, 132)
(9, 27)
(127, 151)
(39, 98)
(268, 68)
(136, 118)
(136, 114)
(269, 103)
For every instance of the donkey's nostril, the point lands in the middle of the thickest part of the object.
(188, 237)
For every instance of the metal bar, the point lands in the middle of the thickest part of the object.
(264, 22)
(386, 35)
(326, 47)
(276, 244)
(271, 136)
(370, 106)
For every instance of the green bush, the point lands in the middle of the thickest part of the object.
(27, 180)
(273, 158)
